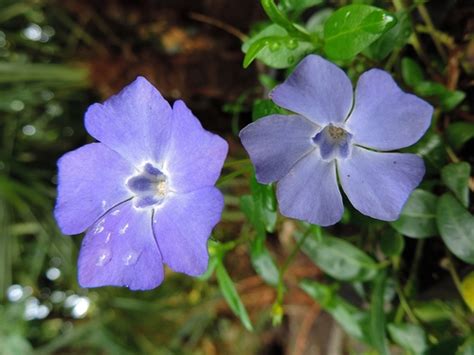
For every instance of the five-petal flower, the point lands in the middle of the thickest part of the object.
(145, 193)
(334, 135)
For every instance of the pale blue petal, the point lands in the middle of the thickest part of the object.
(379, 184)
(318, 90)
(310, 193)
(120, 250)
(275, 143)
(136, 123)
(385, 117)
(91, 180)
(183, 224)
(195, 156)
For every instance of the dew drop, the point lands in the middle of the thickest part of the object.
(116, 212)
(130, 258)
(291, 43)
(123, 229)
(104, 257)
(104, 204)
(107, 239)
(274, 46)
(99, 226)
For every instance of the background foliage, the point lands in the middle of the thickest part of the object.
(401, 287)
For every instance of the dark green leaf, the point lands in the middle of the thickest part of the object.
(456, 226)
(459, 133)
(265, 107)
(411, 72)
(433, 151)
(262, 261)
(265, 203)
(467, 348)
(231, 296)
(445, 347)
(275, 47)
(396, 37)
(352, 28)
(351, 319)
(377, 315)
(409, 336)
(339, 259)
(392, 243)
(418, 217)
(456, 177)
(451, 99)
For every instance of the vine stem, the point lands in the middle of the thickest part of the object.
(425, 15)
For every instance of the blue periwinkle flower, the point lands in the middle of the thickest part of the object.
(145, 194)
(337, 135)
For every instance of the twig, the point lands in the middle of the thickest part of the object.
(219, 24)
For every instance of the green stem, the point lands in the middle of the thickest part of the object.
(432, 31)
(454, 274)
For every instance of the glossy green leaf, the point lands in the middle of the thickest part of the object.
(448, 99)
(354, 321)
(277, 16)
(456, 177)
(456, 226)
(412, 72)
(409, 336)
(451, 99)
(262, 261)
(339, 259)
(392, 243)
(377, 315)
(265, 107)
(352, 28)
(418, 217)
(275, 47)
(459, 133)
(265, 203)
(394, 38)
(231, 296)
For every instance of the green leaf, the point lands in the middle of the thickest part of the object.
(459, 133)
(275, 47)
(409, 336)
(351, 319)
(262, 261)
(352, 28)
(432, 149)
(456, 177)
(445, 347)
(338, 258)
(265, 203)
(299, 5)
(418, 217)
(265, 107)
(456, 226)
(467, 348)
(392, 243)
(377, 315)
(277, 16)
(451, 99)
(231, 296)
(396, 37)
(315, 24)
(411, 72)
